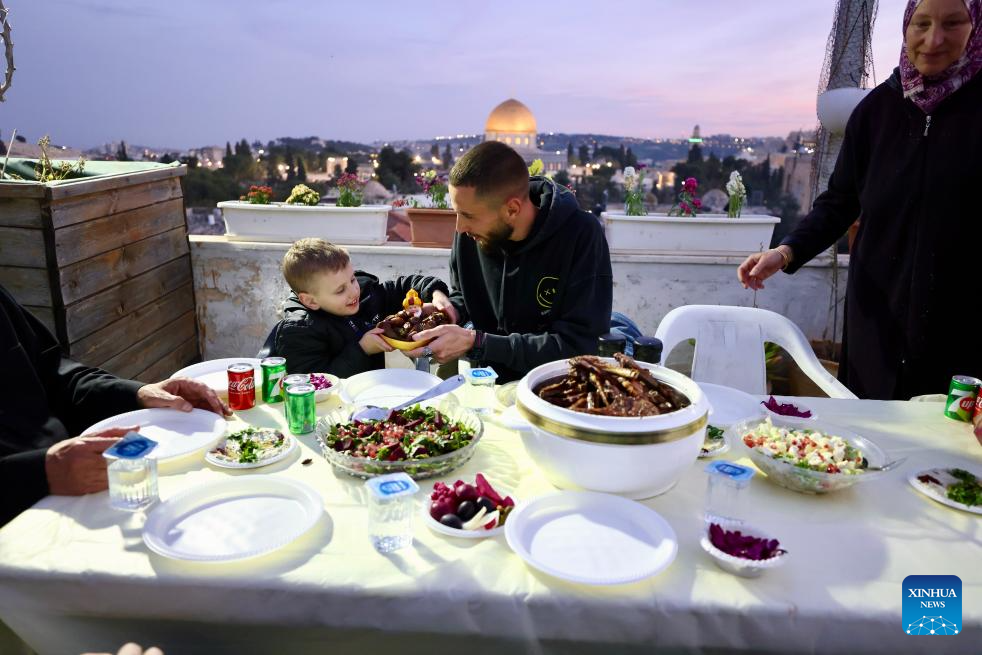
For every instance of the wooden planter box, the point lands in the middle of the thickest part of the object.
(103, 262)
(432, 228)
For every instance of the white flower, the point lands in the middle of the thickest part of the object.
(630, 178)
(735, 186)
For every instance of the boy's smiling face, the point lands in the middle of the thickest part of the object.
(336, 292)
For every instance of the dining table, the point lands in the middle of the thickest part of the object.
(76, 575)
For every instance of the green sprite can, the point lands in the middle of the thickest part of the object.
(961, 397)
(274, 370)
(301, 408)
(289, 381)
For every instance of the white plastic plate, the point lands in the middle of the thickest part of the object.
(936, 492)
(289, 446)
(214, 373)
(591, 538)
(436, 526)
(177, 433)
(386, 387)
(730, 405)
(234, 519)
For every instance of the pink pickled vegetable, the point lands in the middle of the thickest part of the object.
(785, 409)
(744, 546)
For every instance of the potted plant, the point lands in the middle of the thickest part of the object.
(433, 225)
(255, 217)
(685, 228)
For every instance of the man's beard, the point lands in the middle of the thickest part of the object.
(496, 239)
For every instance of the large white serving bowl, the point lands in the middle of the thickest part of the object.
(637, 457)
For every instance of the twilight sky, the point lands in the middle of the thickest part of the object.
(182, 73)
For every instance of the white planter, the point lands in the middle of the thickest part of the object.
(365, 225)
(670, 234)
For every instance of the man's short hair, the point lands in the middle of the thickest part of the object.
(495, 171)
(308, 257)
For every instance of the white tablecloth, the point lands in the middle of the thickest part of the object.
(75, 575)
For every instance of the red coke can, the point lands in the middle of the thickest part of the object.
(978, 408)
(241, 387)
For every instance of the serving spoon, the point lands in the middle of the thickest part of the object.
(373, 413)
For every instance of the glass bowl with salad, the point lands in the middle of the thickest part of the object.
(816, 458)
(423, 441)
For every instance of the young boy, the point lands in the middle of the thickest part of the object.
(330, 318)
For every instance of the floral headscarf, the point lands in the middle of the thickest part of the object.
(928, 92)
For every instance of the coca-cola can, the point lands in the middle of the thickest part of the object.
(978, 408)
(241, 386)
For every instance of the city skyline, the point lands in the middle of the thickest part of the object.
(180, 75)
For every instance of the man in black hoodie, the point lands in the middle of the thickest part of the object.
(45, 398)
(528, 267)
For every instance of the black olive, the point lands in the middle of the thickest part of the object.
(452, 521)
(486, 503)
(466, 510)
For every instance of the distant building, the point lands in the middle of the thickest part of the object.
(209, 156)
(512, 123)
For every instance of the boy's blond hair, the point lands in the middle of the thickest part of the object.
(308, 257)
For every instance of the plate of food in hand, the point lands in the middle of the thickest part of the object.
(399, 328)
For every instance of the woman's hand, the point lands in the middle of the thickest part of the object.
(761, 265)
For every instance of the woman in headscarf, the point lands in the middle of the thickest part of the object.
(911, 167)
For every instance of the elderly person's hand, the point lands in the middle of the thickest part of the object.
(449, 343)
(183, 394)
(761, 265)
(75, 467)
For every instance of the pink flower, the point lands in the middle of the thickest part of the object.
(697, 203)
(684, 208)
(690, 185)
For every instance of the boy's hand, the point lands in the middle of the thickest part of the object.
(441, 302)
(372, 342)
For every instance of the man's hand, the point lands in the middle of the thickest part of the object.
(372, 342)
(183, 394)
(449, 342)
(76, 466)
(442, 302)
(759, 266)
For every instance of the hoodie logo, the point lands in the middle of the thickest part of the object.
(545, 292)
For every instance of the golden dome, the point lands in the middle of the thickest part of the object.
(511, 117)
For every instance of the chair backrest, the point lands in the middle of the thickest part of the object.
(730, 346)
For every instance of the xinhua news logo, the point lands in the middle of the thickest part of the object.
(932, 605)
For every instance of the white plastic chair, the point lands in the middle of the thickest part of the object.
(730, 346)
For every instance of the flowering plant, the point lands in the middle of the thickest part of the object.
(634, 191)
(434, 186)
(350, 190)
(258, 195)
(536, 168)
(688, 204)
(737, 193)
(303, 195)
